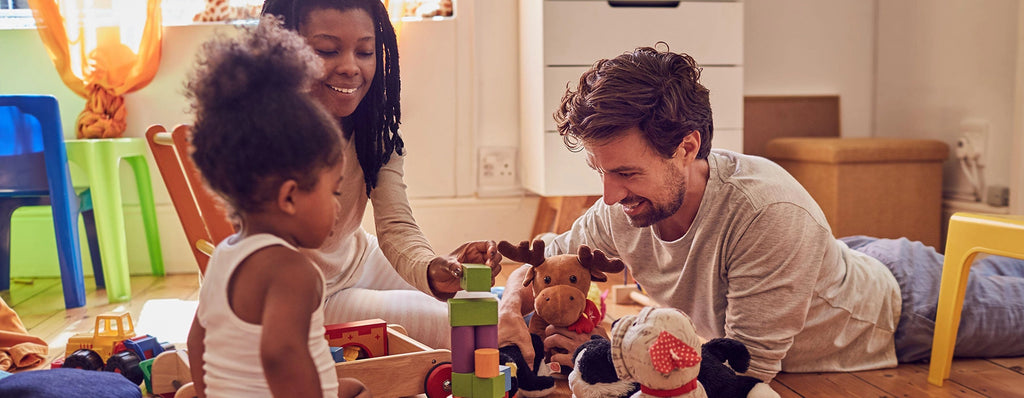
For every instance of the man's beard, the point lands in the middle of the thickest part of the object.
(657, 212)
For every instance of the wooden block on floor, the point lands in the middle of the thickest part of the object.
(620, 293)
(631, 294)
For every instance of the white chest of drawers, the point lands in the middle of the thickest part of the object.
(560, 39)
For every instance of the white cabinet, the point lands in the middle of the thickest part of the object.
(560, 39)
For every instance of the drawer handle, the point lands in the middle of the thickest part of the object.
(644, 3)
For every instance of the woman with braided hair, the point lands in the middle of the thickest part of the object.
(395, 275)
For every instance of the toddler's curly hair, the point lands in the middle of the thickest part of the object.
(255, 124)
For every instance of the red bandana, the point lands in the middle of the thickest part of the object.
(589, 319)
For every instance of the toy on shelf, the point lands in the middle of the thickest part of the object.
(386, 352)
(476, 369)
(113, 347)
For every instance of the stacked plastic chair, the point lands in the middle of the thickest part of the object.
(34, 173)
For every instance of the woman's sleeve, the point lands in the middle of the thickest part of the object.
(401, 240)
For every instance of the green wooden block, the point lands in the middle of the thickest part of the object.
(462, 384)
(492, 387)
(475, 278)
(473, 311)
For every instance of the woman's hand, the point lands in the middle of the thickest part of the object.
(445, 272)
(480, 252)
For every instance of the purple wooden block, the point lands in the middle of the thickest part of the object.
(487, 336)
(463, 345)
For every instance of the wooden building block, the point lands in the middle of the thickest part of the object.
(486, 336)
(370, 335)
(475, 278)
(462, 384)
(463, 344)
(491, 387)
(485, 363)
(506, 372)
(473, 311)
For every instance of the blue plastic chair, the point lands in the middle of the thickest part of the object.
(34, 172)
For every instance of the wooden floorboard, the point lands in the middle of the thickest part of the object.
(829, 385)
(40, 305)
(1014, 364)
(783, 391)
(987, 378)
(912, 381)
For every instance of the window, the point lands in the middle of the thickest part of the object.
(16, 14)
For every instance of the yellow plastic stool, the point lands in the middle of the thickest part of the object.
(969, 234)
(100, 159)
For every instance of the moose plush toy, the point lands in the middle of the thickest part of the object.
(655, 352)
(560, 285)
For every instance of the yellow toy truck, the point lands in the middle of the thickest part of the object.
(113, 347)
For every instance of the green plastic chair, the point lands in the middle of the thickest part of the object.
(100, 159)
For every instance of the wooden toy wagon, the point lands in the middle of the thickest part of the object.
(407, 367)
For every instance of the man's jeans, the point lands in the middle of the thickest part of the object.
(992, 321)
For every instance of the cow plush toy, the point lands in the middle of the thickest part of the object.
(560, 286)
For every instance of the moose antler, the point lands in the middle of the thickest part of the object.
(597, 262)
(523, 253)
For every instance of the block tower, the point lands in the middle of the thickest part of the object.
(476, 372)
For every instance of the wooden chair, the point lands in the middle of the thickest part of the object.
(202, 217)
(557, 213)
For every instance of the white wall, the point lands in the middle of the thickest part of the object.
(812, 47)
(438, 116)
(160, 102)
(903, 68)
(940, 63)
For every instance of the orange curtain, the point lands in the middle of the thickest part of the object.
(101, 54)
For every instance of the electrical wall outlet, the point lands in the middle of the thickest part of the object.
(498, 171)
(975, 131)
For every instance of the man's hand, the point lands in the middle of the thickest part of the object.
(516, 301)
(562, 342)
(512, 330)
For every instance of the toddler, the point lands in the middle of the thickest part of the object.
(273, 154)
